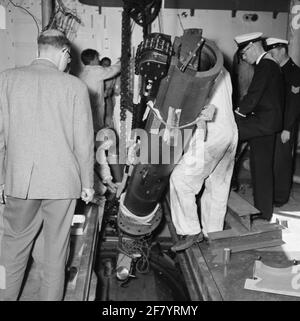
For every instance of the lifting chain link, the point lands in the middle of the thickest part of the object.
(143, 12)
(126, 95)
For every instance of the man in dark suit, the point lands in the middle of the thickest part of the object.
(259, 117)
(46, 162)
(285, 140)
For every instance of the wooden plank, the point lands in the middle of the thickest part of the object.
(264, 227)
(240, 206)
(84, 254)
(240, 209)
(236, 224)
(231, 233)
(248, 241)
(244, 220)
(222, 234)
(240, 248)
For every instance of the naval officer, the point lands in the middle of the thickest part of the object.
(259, 117)
(285, 140)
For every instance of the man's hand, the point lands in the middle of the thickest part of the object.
(2, 195)
(112, 187)
(237, 112)
(87, 194)
(285, 136)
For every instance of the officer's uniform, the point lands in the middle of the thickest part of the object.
(283, 161)
(259, 117)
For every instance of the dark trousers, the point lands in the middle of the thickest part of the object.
(22, 219)
(283, 169)
(261, 163)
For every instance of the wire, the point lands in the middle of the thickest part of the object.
(28, 12)
(139, 245)
(180, 21)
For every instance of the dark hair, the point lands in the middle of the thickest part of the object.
(54, 38)
(105, 59)
(276, 45)
(88, 55)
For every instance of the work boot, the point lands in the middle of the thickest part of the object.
(257, 220)
(187, 241)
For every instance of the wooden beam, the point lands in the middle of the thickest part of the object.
(242, 235)
(240, 209)
(269, 235)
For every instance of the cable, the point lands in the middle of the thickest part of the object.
(28, 12)
(140, 245)
(180, 21)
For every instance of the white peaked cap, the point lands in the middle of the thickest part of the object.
(243, 40)
(275, 42)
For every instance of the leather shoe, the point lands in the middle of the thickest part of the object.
(187, 241)
(259, 217)
(257, 221)
(279, 204)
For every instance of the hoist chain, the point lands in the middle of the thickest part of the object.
(126, 95)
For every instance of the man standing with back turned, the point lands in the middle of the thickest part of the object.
(93, 75)
(46, 162)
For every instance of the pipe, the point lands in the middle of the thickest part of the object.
(47, 8)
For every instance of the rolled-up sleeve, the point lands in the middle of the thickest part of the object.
(109, 72)
(84, 137)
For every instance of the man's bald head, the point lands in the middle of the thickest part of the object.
(55, 46)
(53, 38)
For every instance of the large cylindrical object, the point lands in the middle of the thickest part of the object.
(182, 95)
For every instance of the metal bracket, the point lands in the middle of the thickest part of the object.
(284, 281)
